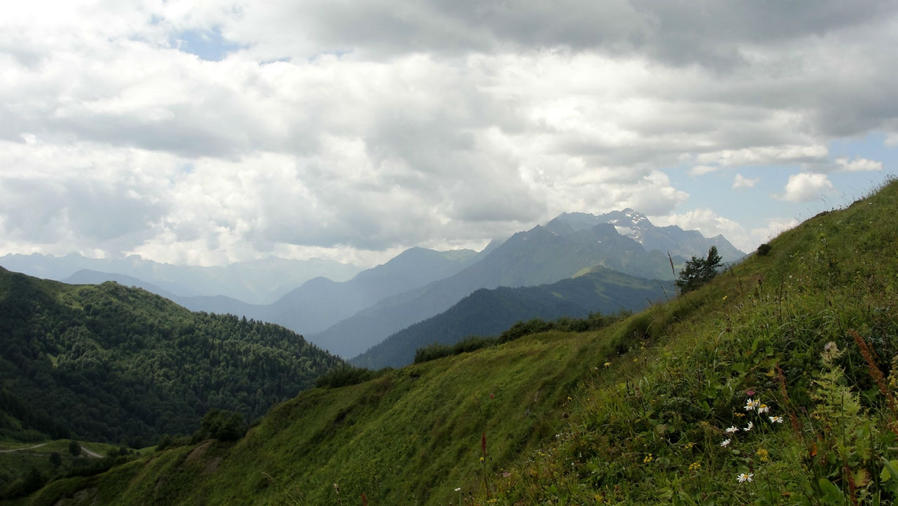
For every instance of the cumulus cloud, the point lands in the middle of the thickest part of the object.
(222, 132)
(771, 229)
(700, 170)
(858, 164)
(741, 181)
(804, 187)
(709, 224)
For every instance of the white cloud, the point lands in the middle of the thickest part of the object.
(804, 187)
(858, 164)
(340, 129)
(741, 181)
(773, 228)
(709, 224)
(701, 170)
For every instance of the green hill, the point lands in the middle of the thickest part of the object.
(109, 363)
(489, 312)
(635, 413)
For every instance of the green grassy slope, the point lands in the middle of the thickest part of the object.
(633, 413)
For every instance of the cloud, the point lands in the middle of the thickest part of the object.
(709, 224)
(858, 164)
(701, 170)
(741, 181)
(225, 132)
(804, 187)
(773, 228)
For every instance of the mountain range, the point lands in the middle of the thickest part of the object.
(349, 317)
(256, 282)
(488, 312)
(544, 254)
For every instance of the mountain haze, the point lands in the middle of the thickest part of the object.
(257, 281)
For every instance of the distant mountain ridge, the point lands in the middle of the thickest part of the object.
(319, 302)
(489, 312)
(632, 224)
(257, 282)
(544, 254)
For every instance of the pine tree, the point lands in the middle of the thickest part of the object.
(699, 271)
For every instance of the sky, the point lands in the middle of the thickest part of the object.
(211, 132)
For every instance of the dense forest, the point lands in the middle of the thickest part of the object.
(110, 363)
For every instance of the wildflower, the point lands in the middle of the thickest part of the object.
(750, 392)
(725, 442)
(763, 408)
(695, 466)
(748, 427)
(690, 445)
(732, 429)
(775, 419)
(481, 459)
(647, 459)
(763, 454)
(743, 477)
(751, 405)
(607, 364)
(458, 489)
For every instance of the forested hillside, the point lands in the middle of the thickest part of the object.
(109, 363)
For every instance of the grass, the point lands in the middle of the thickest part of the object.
(631, 413)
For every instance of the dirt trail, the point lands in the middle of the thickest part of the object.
(90, 453)
(23, 449)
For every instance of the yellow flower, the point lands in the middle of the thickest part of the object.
(763, 454)
(690, 445)
(695, 466)
(607, 364)
(481, 459)
(647, 459)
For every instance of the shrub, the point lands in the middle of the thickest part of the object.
(347, 375)
(222, 425)
(763, 249)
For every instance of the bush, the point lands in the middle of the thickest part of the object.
(763, 249)
(344, 375)
(74, 448)
(221, 425)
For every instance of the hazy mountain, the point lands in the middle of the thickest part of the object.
(258, 281)
(630, 223)
(534, 257)
(320, 302)
(119, 364)
(544, 254)
(489, 312)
